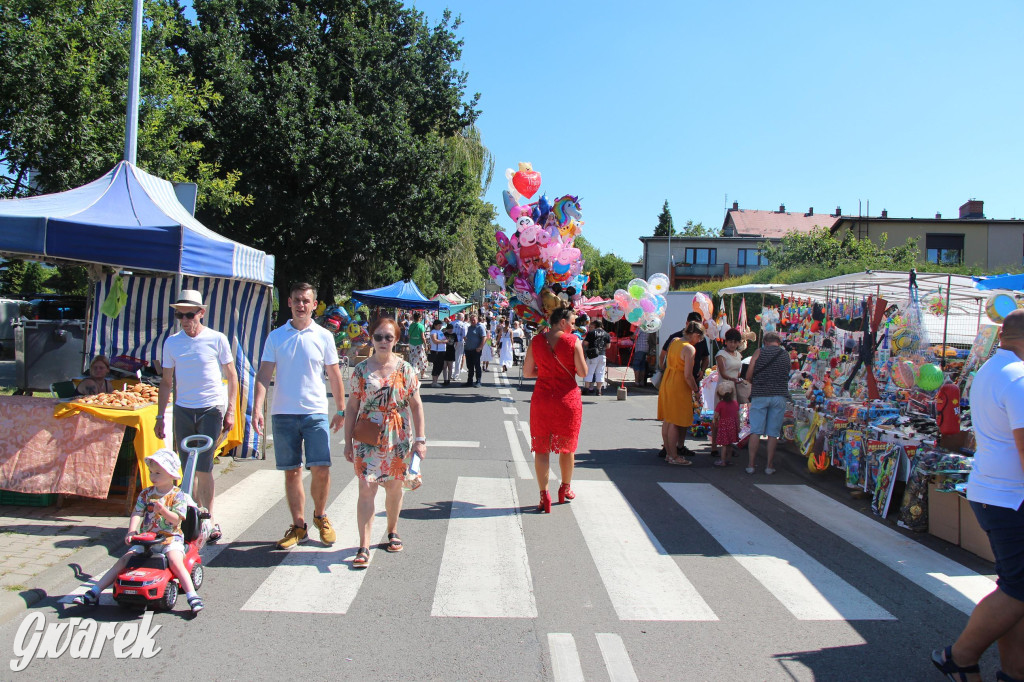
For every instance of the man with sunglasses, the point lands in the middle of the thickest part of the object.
(197, 362)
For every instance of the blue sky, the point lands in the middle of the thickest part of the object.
(913, 106)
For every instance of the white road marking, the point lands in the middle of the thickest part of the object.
(642, 580)
(454, 443)
(504, 391)
(510, 410)
(522, 468)
(485, 571)
(317, 579)
(805, 587)
(951, 582)
(237, 508)
(565, 659)
(616, 658)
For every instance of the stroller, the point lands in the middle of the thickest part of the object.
(518, 350)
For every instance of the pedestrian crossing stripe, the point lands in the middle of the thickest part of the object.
(807, 589)
(949, 581)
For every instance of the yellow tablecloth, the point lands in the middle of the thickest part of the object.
(144, 421)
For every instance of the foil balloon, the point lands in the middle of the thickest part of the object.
(510, 204)
(538, 280)
(621, 298)
(637, 288)
(702, 304)
(658, 283)
(526, 180)
(513, 192)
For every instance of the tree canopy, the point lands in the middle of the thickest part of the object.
(665, 228)
(825, 251)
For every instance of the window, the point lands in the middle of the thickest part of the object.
(750, 257)
(945, 249)
(701, 256)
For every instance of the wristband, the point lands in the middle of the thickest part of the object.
(420, 439)
(340, 413)
(159, 417)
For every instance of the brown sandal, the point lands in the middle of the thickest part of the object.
(362, 559)
(394, 543)
(679, 461)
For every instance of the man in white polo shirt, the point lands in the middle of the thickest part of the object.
(196, 362)
(300, 351)
(995, 490)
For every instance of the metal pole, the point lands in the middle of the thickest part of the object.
(131, 128)
(945, 322)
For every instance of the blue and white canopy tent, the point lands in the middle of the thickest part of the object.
(130, 220)
(403, 294)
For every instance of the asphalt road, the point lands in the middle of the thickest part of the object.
(653, 573)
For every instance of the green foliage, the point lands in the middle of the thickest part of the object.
(64, 94)
(607, 271)
(20, 278)
(692, 229)
(665, 228)
(828, 252)
(341, 116)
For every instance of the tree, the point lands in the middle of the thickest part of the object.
(607, 272)
(825, 251)
(665, 227)
(341, 115)
(64, 91)
(20, 278)
(692, 229)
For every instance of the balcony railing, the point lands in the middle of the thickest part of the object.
(698, 271)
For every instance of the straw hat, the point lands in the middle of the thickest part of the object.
(189, 298)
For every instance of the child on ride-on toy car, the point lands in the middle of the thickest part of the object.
(160, 509)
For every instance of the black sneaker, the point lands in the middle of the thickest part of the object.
(468, 384)
(662, 453)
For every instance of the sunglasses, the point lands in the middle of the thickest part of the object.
(382, 337)
(190, 316)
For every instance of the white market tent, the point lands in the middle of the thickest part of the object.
(966, 301)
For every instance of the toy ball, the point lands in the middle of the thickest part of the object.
(903, 339)
(999, 306)
(929, 377)
(905, 374)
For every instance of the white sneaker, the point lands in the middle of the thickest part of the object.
(750, 470)
(769, 471)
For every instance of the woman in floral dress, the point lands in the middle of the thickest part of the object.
(385, 391)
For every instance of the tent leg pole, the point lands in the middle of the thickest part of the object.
(945, 321)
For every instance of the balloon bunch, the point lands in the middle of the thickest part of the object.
(642, 303)
(339, 322)
(539, 260)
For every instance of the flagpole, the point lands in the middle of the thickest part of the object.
(131, 128)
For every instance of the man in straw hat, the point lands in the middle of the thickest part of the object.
(197, 361)
(996, 493)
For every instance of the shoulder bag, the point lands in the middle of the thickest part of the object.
(369, 432)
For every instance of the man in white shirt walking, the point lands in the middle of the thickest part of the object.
(300, 351)
(995, 490)
(197, 362)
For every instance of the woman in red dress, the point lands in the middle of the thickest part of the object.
(555, 358)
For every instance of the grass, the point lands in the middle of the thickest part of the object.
(15, 588)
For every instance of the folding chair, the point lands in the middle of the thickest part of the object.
(64, 389)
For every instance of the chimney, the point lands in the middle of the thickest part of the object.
(938, 216)
(973, 209)
(735, 205)
(885, 214)
(810, 211)
(839, 211)
(782, 208)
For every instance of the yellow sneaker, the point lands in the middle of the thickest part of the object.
(294, 536)
(327, 534)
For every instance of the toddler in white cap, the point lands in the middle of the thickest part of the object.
(159, 509)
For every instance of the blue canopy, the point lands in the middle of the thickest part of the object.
(127, 218)
(404, 294)
(1010, 282)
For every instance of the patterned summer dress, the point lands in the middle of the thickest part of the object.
(378, 397)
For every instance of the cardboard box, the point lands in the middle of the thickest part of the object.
(972, 537)
(944, 515)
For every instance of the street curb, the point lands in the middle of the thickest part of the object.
(48, 583)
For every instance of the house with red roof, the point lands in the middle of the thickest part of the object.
(736, 252)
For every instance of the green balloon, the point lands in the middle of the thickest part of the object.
(636, 291)
(929, 377)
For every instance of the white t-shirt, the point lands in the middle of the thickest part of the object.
(301, 356)
(997, 408)
(460, 330)
(196, 361)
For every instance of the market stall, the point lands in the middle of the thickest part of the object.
(880, 381)
(143, 246)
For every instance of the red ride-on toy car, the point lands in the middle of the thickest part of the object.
(147, 580)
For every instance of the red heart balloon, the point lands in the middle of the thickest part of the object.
(526, 182)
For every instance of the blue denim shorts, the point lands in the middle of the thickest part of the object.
(766, 414)
(291, 431)
(1005, 529)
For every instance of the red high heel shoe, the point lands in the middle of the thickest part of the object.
(545, 502)
(565, 493)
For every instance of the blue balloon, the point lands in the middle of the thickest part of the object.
(535, 214)
(511, 258)
(510, 203)
(545, 207)
(538, 280)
